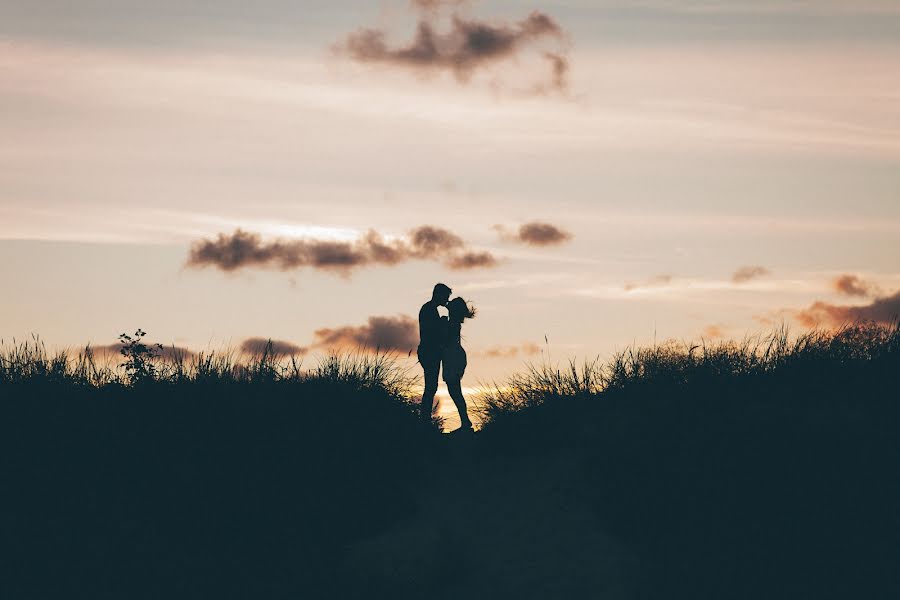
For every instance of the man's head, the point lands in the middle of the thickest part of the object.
(441, 294)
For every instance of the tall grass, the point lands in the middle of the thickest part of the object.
(29, 362)
(676, 363)
(214, 474)
(764, 468)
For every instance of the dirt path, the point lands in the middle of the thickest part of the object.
(497, 529)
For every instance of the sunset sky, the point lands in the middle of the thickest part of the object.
(681, 169)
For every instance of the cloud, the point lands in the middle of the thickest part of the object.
(535, 233)
(502, 352)
(767, 320)
(559, 65)
(242, 249)
(471, 260)
(658, 281)
(435, 5)
(399, 333)
(885, 309)
(853, 285)
(748, 273)
(775, 318)
(713, 332)
(530, 348)
(464, 46)
(257, 345)
(428, 242)
(525, 349)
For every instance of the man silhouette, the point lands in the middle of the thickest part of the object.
(432, 334)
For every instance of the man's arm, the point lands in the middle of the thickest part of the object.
(429, 325)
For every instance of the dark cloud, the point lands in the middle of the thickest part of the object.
(748, 273)
(429, 242)
(536, 233)
(464, 46)
(659, 280)
(882, 310)
(400, 333)
(472, 260)
(381, 252)
(257, 345)
(241, 249)
(853, 285)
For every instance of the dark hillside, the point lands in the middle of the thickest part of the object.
(735, 471)
(210, 486)
(766, 469)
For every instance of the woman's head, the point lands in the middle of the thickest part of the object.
(460, 310)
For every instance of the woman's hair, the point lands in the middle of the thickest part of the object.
(460, 310)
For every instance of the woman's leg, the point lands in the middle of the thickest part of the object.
(455, 389)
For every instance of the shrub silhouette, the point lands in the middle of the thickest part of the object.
(139, 357)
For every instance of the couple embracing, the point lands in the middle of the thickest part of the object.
(440, 344)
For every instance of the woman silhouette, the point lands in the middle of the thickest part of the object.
(454, 357)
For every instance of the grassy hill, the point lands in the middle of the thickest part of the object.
(761, 469)
(754, 470)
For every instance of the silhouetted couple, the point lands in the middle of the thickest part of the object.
(440, 344)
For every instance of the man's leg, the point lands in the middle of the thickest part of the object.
(432, 368)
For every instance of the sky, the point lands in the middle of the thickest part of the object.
(589, 174)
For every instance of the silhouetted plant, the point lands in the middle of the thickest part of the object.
(139, 357)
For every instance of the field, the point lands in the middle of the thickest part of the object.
(758, 469)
